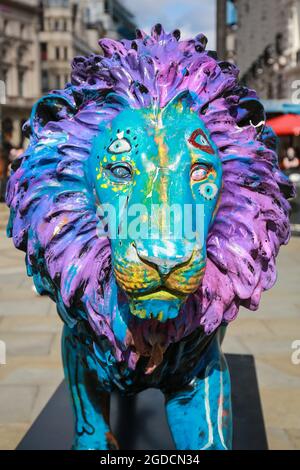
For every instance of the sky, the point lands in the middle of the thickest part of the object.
(190, 16)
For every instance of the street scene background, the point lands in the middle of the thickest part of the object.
(38, 40)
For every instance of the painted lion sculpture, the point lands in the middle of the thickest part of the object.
(155, 122)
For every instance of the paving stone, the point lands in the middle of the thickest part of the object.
(281, 407)
(40, 306)
(11, 434)
(27, 344)
(249, 326)
(294, 436)
(278, 439)
(44, 394)
(263, 346)
(16, 403)
(22, 292)
(233, 344)
(31, 323)
(56, 346)
(44, 374)
(285, 327)
(270, 377)
(283, 365)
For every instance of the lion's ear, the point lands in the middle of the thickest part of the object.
(182, 101)
(250, 112)
(50, 108)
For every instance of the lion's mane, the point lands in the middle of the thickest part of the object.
(53, 208)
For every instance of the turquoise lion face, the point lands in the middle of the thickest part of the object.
(158, 179)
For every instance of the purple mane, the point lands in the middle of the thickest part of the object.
(53, 207)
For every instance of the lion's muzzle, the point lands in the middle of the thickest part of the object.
(158, 277)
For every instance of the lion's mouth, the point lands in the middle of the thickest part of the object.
(160, 293)
(140, 281)
(160, 304)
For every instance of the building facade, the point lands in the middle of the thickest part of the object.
(117, 21)
(267, 44)
(19, 63)
(226, 30)
(39, 38)
(63, 35)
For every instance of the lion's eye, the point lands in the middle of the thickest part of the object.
(208, 190)
(199, 140)
(199, 172)
(119, 146)
(121, 171)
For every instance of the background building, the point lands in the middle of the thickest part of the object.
(226, 30)
(19, 62)
(263, 39)
(115, 18)
(267, 43)
(63, 34)
(39, 38)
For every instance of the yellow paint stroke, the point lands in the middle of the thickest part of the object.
(163, 163)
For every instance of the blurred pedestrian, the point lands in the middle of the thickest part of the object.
(290, 161)
(5, 156)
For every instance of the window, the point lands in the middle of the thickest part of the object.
(65, 53)
(5, 74)
(5, 26)
(56, 25)
(7, 125)
(41, 15)
(231, 14)
(57, 3)
(20, 53)
(4, 87)
(44, 51)
(45, 81)
(57, 53)
(22, 122)
(270, 91)
(57, 81)
(279, 43)
(280, 87)
(106, 6)
(21, 74)
(88, 15)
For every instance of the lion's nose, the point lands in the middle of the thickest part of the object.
(165, 255)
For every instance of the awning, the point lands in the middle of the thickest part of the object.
(281, 106)
(287, 124)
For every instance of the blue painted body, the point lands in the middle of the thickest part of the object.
(194, 378)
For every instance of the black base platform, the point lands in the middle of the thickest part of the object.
(140, 422)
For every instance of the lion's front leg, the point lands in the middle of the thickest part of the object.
(90, 402)
(199, 415)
